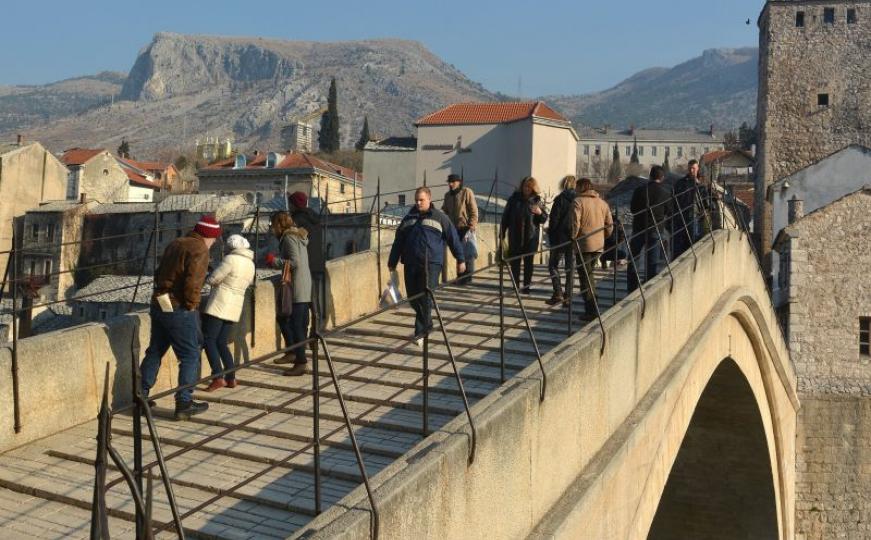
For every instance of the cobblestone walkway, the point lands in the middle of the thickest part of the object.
(46, 487)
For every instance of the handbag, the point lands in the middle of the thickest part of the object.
(284, 304)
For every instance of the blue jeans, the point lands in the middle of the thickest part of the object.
(294, 329)
(215, 334)
(179, 329)
(654, 258)
(415, 283)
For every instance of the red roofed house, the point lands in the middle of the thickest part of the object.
(477, 139)
(163, 174)
(270, 174)
(98, 175)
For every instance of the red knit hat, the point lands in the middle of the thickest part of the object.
(298, 199)
(208, 227)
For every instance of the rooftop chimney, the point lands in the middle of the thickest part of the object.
(83, 198)
(711, 131)
(19, 139)
(796, 209)
(632, 129)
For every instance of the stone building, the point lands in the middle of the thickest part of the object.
(823, 297)
(29, 175)
(96, 174)
(392, 161)
(814, 98)
(596, 148)
(262, 176)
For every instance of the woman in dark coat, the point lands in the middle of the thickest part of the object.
(524, 215)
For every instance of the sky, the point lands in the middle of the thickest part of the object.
(544, 47)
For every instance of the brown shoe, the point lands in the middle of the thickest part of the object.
(232, 383)
(554, 300)
(296, 371)
(216, 384)
(286, 359)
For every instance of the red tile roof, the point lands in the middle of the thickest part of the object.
(489, 113)
(146, 165)
(138, 179)
(292, 160)
(79, 156)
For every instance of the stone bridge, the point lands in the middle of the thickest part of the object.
(681, 426)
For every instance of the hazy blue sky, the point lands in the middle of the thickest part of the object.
(555, 46)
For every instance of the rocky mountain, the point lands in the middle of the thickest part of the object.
(184, 87)
(718, 87)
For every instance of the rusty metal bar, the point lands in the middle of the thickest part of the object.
(634, 267)
(16, 401)
(99, 517)
(690, 237)
(592, 291)
(531, 334)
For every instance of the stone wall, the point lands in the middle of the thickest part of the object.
(795, 65)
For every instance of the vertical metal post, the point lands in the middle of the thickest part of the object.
(156, 239)
(378, 225)
(501, 318)
(16, 403)
(99, 519)
(570, 286)
(425, 371)
(316, 409)
(616, 258)
(136, 395)
(254, 283)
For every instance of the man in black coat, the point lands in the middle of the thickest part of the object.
(689, 194)
(558, 233)
(651, 209)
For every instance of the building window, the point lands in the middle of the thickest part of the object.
(822, 100)
(46, 266)
(34, 231)
(402, 200)
(653, 151)
(640, 151)
(829, 15)
(32, 267)
(341, 187)
(178, 233)
(160, 236)
(49, 232)
(81, 312)
(628, 150)
(865, 336)
(680, 151)
(103, 314)
(178, 217)
(586, 149)
(693, 151)
(851, 16)
(598, 149)
(799, 19)
(160, 217)
(105, 172)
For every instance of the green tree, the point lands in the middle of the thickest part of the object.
(328, 138)
(747, 136)
(123, 149)
(364, 134)
(634, 158)
(730, 141)
(616, 170)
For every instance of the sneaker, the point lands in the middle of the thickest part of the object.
(554, 300)
(185, 409)
(296, 371)
(419, 342)
(217, 383)
(231, 383)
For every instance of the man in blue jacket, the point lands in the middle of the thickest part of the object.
(420, 246)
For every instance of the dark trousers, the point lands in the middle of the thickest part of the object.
(179, 329)
(465, 278)
(684, 237)
(294, 328)
(560, 255)
(215, 334)
(528, 252)
(415, 283)
(648, 246)
(587, 279)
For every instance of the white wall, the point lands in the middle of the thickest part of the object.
(554, 153)
(139, 194)
(691, 150)
(396, 168)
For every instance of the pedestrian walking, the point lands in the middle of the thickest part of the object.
(175, 321)
(591, 224)
(420, 246)
(293, 257)
(558, 232)
(651, 208)
(690, 195)
(461, 208)
(524, 214)
(229, 283)
(308, 219)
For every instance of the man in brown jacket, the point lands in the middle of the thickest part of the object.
(175, 321)
(461, 208)
(591, 223)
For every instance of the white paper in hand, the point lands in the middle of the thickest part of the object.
(391, 295)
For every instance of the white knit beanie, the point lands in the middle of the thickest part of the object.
(237, 241)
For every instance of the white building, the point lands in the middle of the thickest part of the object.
(393, 161)
(596, 148)
(479, 141)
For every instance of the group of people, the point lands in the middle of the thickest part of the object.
(176, 320)
(580, 228)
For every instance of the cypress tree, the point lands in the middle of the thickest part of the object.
(364, 134)
(616, 170)
(634, 158)
(665, 164)
(124, 149)
(328, 139)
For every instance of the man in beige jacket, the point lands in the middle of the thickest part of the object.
(461, 208)
(591, 223)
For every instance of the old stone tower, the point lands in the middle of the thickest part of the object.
(814, 89)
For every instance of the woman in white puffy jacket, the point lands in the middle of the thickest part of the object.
(229, 282)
